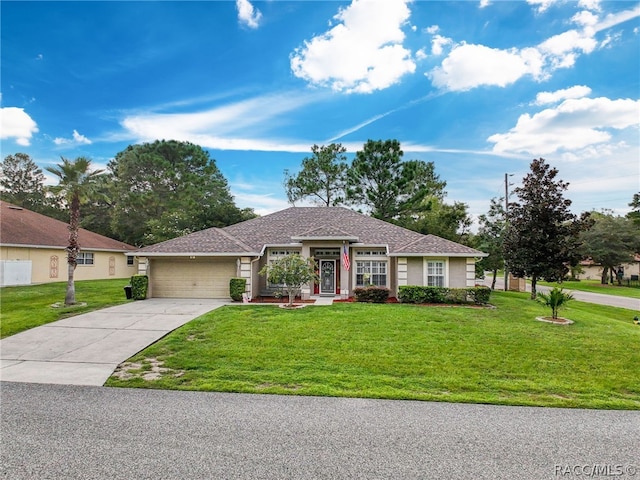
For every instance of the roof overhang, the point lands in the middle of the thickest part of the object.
(432, 254)
(192, 254)
(323, 238)
(58, 247)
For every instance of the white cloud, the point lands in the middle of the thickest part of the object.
(541, 5)
(432, 29)
(421, 54)
(468, 66)
(17, 124)
(577, 91)
(76, 139)
(484, 3)
(247, 14)
(593, 5)
(574, 126)
(230, 122)
(438, 43)
(362, 53)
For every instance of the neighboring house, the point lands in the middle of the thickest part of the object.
(351, 250)
(32, 250)
(593, 271)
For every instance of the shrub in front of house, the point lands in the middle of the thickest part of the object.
(371, 294)
(237, 287)
(480, 295)
(139, 286)
(418, 294)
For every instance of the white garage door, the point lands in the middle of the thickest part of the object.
(185, 278)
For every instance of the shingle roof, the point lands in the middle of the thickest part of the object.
(19, 226)
(289, 225)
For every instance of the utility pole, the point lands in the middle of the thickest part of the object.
(506, 224)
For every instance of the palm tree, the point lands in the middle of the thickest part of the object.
(555, 299)
(76, 182)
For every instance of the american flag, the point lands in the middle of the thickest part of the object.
(345, 258)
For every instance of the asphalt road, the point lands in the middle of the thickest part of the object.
(83, 432)
(597, 298)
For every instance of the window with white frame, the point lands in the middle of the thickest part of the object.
(435, 273)
(85, 258)
(371, 272)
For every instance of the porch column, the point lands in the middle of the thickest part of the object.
(305, 291)
(245, 272)
(471, 272)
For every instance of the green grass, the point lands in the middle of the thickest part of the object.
(26, 307)
(594, 286)
(498, 356)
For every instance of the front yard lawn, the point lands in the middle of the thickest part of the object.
(498, 356)
(26, 307)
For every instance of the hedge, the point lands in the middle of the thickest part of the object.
(418, 294)
(237, 287)
(139, 286)
(371, 294)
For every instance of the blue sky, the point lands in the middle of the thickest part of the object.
(478, 87)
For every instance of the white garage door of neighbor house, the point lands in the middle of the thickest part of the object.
(185, 278)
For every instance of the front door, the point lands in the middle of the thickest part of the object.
(327, 277)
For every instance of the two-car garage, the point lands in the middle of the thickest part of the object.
(185, 277)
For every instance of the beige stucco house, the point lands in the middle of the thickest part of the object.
(32, 250)
(351, 250)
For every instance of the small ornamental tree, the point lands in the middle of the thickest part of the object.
(292, 271)
(555, 299)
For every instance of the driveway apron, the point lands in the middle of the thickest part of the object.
(87, 348)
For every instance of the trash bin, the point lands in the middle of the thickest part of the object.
(127, 292)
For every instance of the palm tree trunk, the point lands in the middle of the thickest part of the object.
(73, 249)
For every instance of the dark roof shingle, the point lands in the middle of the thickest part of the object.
(19, 226)
(286, 226)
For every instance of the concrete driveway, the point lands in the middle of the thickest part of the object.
(87, 348)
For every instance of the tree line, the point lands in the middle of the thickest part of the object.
(379, 181)
(156, 191)
(537, 236)
(149, 193)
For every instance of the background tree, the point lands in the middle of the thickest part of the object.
(292, 271)
(166, 188)
(22, 182)
(393, 190)
(490, 238)
(634, 214)
(542, 234)
(98, 210)
(76, 183)
(450, 221)
(323, 176)
(611, 241)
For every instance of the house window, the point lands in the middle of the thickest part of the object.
(372, 253)
(371, 272)
(435, 273)
(130, 261)
(85, 258)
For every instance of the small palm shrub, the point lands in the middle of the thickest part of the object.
(555, 299)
